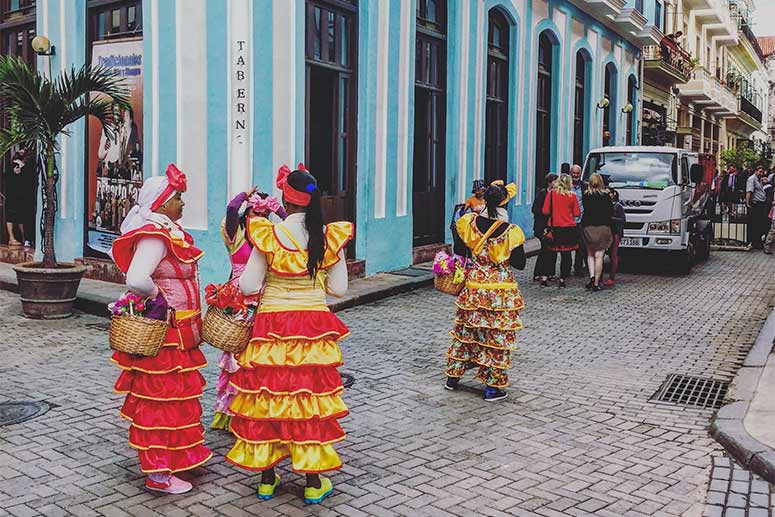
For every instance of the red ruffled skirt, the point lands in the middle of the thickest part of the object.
(162, 401)
(289, 391)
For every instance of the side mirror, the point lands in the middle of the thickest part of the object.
(696, 174)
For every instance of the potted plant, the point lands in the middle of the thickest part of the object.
(40, 109)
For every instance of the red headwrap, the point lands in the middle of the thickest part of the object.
(176, 183)
(290, 194)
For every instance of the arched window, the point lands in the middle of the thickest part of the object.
(331, 102)
(496, 115)
(544, 108)
(632, 87)
(430, 117)
(580, 109)
(609, 112)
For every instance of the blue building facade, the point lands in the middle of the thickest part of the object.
(458, 90)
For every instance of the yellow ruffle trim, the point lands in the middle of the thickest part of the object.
(286, 442)
(290, 353)
(221, 421)
(500, 247)
(305, 458)
(304, 406)
(289, 261)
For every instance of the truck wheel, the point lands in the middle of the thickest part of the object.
(685, 259)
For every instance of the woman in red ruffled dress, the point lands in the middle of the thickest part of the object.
(288, 387)
(162, 392)
(233, 232)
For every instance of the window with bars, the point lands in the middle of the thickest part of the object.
(579, 108)
(544, 108)
(115, 20)
(15, 10)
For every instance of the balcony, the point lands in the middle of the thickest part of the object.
(675, 68)
(707, 92)
(747, 120)
(602, 9)
(631, 20)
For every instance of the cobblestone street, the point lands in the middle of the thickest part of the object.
(577, 435)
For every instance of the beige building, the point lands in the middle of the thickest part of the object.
(707, 87)
(767, 44)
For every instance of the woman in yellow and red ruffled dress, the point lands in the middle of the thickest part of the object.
(488, 307)
(234, 234)
(288, 387)
(162, 392)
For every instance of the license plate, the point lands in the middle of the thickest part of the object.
(630, 242)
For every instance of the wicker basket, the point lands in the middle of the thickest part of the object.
(137, 335)
(224, 332)
(446, 284)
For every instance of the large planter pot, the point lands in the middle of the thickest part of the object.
(48, 293)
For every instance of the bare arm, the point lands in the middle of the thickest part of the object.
(255, 272)
(336, 280)
(149, 253)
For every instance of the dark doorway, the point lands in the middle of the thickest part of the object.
(18, 185)
(543, 109)
(429, 123)
(496, 113)
(330, 49)
(580, 109)
(632, 136)
(609, 112)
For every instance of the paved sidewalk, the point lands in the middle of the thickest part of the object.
(577, 436)
(760, 419)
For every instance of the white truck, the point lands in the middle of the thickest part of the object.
(666, 196)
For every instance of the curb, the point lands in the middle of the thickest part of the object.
(727, 427)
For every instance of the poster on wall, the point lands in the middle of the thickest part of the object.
(115, 164)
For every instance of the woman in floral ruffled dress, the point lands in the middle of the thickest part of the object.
(488, 307)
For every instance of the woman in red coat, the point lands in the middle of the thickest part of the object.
(561, 206)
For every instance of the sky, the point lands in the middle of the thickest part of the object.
(764, 18)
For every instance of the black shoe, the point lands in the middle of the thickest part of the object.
(494, 394)
(591, 283)
(562, 282)
(596, 288)
(451, 383)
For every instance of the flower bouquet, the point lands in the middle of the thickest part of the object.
(229, 319)
(450, 273)
(131, 330)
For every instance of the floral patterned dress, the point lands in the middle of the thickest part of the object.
(488, 308)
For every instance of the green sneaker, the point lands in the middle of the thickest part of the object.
(316, 495)
(266, 490)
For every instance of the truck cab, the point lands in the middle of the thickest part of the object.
(665, 192)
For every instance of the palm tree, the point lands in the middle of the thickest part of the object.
(40, 109)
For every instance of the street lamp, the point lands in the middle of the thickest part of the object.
(627, 108)
(604, 103)
(42, 46)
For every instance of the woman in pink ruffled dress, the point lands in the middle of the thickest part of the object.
(239, 247)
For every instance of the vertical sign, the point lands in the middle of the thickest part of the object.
(240, 133)
(115, 164)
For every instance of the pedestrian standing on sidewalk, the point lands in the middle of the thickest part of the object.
(234, 237)
(579, 262)
(488, 306)
(755, 201)
(562, 208)
(162, 392)
(547, 259)
(617, 229)
(596, 223)
(289, 391)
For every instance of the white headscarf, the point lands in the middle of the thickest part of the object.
(141, 214)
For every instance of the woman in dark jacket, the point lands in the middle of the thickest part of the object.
(547, 258)
(596, 225)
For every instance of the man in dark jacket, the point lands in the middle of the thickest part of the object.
(545, 262)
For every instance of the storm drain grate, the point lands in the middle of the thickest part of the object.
(17, 412)
(692, 391)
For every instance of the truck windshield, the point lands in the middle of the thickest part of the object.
(633, 169)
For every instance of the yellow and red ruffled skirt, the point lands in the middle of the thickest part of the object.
(289, 391)
(162, 400)
(485, 332)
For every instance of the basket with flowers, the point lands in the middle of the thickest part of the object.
(131, 330)
(229, 319)
(450, 273)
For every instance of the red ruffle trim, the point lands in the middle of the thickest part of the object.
(173, 386)
(310, 325)
(160, 460)
(293, 431)
(153, 414)
(169, 359)
(168, 440)
(124, 246)
(280, 380)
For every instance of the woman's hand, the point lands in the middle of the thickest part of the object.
(157, 308)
